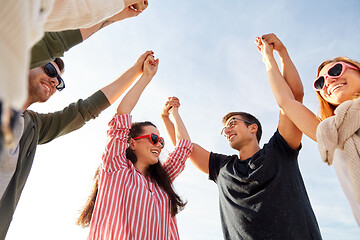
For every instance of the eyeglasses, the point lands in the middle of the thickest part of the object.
(51, 71)
(336, 71)
(154, 139)
(231, 124)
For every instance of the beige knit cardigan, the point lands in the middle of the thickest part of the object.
(343, 131)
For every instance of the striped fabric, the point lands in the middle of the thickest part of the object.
(128, 206)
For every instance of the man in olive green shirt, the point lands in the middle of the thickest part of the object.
(42, 128)
(51, 46)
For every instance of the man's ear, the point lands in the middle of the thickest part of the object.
(253, 128)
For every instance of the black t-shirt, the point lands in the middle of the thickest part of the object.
(263, 197)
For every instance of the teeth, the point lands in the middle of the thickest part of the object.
(47, 87)
(335, 88)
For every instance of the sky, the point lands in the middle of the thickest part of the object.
(209, 60)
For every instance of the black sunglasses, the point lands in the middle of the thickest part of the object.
(154, 139)
(51, 71)
(336, 71)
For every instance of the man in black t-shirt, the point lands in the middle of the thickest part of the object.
(261, 192)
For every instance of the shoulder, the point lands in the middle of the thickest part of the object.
(31, 117)
(279, 144)
(219, 160)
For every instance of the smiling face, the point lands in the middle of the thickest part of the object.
(339, 90)
(41, 86)
(239, 133)
(147, 153)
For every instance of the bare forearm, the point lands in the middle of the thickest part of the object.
(280, 88)
(180, 129)
(131, 98)
(87, 32)
(170, 128)
(291, 75)
(115, 89)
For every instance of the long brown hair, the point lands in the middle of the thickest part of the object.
(156, 173)
(327, 109)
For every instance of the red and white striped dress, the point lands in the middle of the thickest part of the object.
(128, 206)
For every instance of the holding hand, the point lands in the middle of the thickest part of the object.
(273, 40)
(172, 104)
(139, 64)
(176, 130)
(265, 49)
(138, 5)
(127, 12)
(150, 65)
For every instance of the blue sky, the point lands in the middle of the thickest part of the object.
(209, 60)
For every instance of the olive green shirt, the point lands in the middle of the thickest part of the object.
(39, 129)
(53, 45)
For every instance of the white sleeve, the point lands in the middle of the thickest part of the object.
(22, 24)
(74, 14)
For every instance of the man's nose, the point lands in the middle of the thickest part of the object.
(54, 81)
(227, 130)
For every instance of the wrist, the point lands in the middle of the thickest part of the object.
(269, 62)
(136, 69)
(148, 75)
(268, 59)
(282, 52)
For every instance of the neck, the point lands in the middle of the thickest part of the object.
(26, 105)
(142, 168)
(248, 151)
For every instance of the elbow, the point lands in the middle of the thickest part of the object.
(283, 103)
(299, 94)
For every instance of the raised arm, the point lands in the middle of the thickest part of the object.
(200, 158)
(128, 12)
(115, 89)
(180, 129)
(286, 127)
(165, 115)
(289, 71)
(55, 44)
(150, 66)
(305, 120)
(66, 15)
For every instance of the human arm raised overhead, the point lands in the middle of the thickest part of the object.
(305, 120)
(129, 101)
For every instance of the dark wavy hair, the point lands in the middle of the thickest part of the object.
(156, 173)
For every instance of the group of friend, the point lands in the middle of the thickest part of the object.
(261, 191)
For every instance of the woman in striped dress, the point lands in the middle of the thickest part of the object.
(133, 197)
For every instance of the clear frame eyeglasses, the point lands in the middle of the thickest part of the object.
(231, 124)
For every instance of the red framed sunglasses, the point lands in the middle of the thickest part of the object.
(154, 139)
(335, 71)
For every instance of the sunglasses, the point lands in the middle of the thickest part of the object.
(51, 71)
(154, 139)
(232, 124)
(336, 71)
